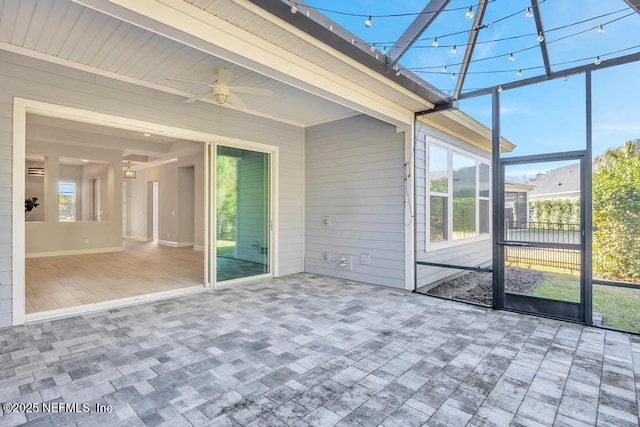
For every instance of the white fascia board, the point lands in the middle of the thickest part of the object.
(191, 26)
(257, 10)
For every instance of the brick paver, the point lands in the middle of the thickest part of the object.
(312, 350)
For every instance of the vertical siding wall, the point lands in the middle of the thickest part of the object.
(468, 254)
(33, 79)
(355, 176)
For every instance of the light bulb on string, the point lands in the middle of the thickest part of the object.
(598, 61)
(453, 76)
(373, 48)
(500, 89)
(367, 23)
(397, 72)
(435, 42)
(528, 14)
(540, 37)
(511, 57)
(294, 8)
(454, 49)
(519, 73)
(600, 29)
(444, 69)
(469, 13)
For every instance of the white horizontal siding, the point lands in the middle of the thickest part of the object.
(473, 253)
(33, 79)
(355, 175)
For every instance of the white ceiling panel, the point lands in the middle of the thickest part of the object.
(69, 31)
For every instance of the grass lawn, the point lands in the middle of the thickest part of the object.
(225, 247)
(620, 307)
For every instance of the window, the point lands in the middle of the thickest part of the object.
(66, 201)
(458, 187)
(439, 194)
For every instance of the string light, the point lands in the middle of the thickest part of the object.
(528, 14)
(373, 47)
(444, 69)
(500, 89)
(397, 72)
(511, 57)
(454, 49)
(598, 61)
(453, 76)
(519, 73)
(469, 13)
(600, 29)
(294, 8)
(367, 23)
(435, 42)
(540, 37)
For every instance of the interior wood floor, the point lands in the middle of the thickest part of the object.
(142, 268)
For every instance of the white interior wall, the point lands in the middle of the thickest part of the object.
(170, 203)
(51, 237)
(355, 177)
(38, 80)
(186, 208)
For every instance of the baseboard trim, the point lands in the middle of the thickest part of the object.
(73, 252)
(139, 238)
(198, 248)
(184, 244)
(168, 243)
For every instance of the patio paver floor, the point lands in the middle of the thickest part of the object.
(313, 350)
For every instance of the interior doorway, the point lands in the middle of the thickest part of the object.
(163, 206)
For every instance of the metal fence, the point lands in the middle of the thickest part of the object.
(543, 232)
(559, 258)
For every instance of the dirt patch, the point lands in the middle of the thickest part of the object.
(478, 287)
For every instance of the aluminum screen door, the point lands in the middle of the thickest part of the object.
(541, 240)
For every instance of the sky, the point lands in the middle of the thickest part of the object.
(541, 118)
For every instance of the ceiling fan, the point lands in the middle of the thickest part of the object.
(224, 94)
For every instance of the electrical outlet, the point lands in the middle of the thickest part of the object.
(344, 263)
(365, 259)
(325, 257)
(326, 221)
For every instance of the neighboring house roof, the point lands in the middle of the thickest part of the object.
(557, 183)
(517, 186)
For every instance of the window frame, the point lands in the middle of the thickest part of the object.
(449, 241)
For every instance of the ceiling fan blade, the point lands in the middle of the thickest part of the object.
(194, 98)
(224, 76)
(251, 90)
(236, 101)
(192, 81)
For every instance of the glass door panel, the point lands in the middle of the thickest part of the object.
(542, 237)
(242, 213)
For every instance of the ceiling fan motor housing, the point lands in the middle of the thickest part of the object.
(220, 94)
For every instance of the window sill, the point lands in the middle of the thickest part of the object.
(437, 246)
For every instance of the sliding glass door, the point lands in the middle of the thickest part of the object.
(242, 206)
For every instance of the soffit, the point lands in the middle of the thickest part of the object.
(305, 46)
(68, 33)
(462, 126)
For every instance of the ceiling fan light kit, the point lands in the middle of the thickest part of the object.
(224, 94)
(220, 94)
